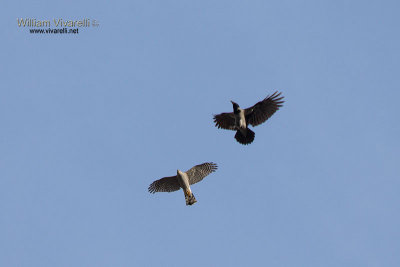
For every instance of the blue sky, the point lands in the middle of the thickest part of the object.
(88, 121)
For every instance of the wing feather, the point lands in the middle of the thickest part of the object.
(198, 172)
(264, 109)
(225, 121)
(166, 184)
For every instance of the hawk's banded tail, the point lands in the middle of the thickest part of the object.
(190, 199)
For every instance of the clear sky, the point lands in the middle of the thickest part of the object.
(89, 120)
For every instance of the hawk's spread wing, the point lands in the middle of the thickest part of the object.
(225, 121)
(198, 172)
(166, 184)
(264, 109)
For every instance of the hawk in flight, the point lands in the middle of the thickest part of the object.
(184, 180)
(239, 119)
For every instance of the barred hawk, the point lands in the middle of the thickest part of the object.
(184, 180)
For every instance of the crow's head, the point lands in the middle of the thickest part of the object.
(235, 106)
